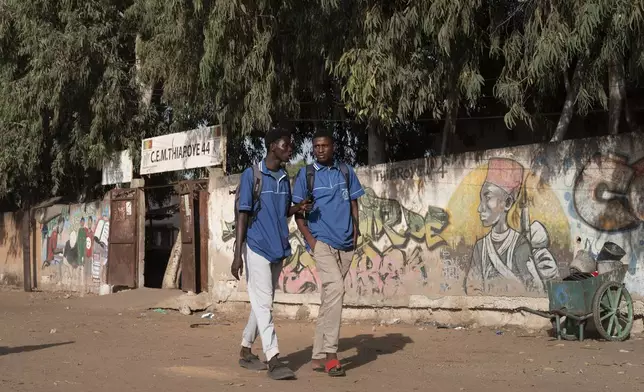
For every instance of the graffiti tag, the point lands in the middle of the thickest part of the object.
(429, 168)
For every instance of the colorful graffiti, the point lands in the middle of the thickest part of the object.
(503, 226)
(492, 247)
(75, 244)
(390, 249)
(495, 228)
(393, 244)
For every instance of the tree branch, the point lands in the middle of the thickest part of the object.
(615, 93)
(453, 103)
(569, 104)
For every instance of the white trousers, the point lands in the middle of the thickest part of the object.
(262, 278)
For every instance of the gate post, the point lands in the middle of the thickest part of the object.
(139, 183)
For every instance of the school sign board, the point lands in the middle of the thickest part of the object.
(117, 169)
(201, 147)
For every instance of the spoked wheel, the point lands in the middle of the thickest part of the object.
(613, 311)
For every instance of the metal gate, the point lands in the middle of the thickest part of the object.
(123, 243)
(193, 206)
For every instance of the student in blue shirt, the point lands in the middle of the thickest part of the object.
(331, 231)
(262, 241)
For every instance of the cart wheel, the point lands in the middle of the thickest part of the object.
(613, 311)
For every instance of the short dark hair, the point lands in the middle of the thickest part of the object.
(274, 135)
(323, 132)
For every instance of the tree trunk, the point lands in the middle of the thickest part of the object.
(172, 270)
(145, 90)
(569, 105)
(615, 94)
(449, 128)
(451, 113)
(376, 144)
(566, 80)
(628, 114)
(633, 126)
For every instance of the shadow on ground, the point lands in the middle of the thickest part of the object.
(369, 348)
(26, 349)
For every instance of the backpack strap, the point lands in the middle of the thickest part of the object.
(257, 182)
(289, 199)
(345, 170)
(255, 199)
(257, 190)
(310, 180)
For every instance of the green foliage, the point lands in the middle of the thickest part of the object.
(244, 63)
(293, 169)
(66, 95)
(549, 46)
(72, 91)
(408, 57)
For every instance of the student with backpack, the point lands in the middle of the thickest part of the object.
(262, 208)
(331, 231)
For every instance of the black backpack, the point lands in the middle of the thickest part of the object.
(256, 199)
(310, 177)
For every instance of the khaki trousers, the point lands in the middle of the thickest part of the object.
(332, 266)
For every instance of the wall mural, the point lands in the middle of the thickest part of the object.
(506, 256)
(609, 193)
(607, 202)
(75, 244)
(502, 231)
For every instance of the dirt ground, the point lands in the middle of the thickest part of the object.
(56, 342)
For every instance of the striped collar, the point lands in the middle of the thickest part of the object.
(318, 166)
(265, 170)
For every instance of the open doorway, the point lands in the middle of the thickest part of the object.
(162, 225)
(176, 238)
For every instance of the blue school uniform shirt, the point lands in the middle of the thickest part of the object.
(267, 233)
(330, 219)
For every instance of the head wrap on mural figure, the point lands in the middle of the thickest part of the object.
(506, 174)
(500, 190)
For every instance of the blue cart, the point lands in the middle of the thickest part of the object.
(604, 298)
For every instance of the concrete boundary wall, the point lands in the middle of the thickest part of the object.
(470, 234)
(11, 246)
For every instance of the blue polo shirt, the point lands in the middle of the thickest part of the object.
(267, 234)
(330, 220)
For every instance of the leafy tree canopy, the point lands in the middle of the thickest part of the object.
(80, 79)
(67, 95)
